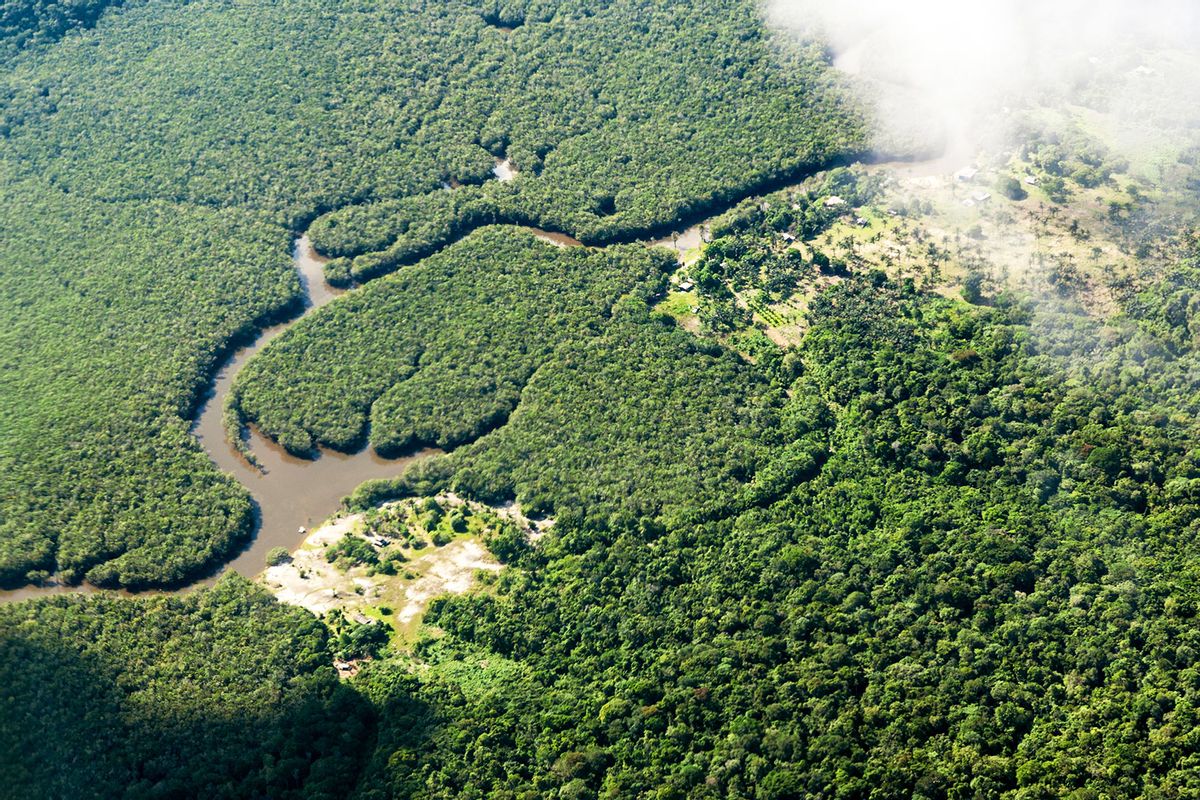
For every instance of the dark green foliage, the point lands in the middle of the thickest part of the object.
(154, 165)
(404, 231)
(938, 551)
(1011, 188)
(972, 290)
(26, 23)
(221, 694)
(647, 111)
(440, 353)
(606, 411)
(506, 542)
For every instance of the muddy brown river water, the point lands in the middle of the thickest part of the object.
(293, 493)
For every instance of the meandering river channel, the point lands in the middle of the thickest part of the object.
(293, 494)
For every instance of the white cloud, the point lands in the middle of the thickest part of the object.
(974, 58)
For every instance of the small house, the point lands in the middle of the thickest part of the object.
(966, 174)
(981, 197)
(686, 286)
(834, 202)
(1031, 180)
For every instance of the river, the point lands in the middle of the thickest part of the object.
(292, 494)
(289, 493)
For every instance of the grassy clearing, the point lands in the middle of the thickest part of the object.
(386, 565)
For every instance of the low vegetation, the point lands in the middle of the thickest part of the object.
(372, 575)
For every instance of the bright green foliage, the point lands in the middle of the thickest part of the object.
(962, 599)
(440, 353)
(155, 159)
(220, 694)
(277, 556)
(351, 551)
(353, 639)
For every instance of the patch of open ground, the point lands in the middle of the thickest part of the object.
(386, 566)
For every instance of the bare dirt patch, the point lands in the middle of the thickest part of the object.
(387, 565)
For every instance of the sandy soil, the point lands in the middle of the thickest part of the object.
(447, 570)
(312, 582)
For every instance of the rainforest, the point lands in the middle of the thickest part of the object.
(597, 399)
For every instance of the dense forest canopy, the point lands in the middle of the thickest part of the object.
(224, 693)
(988, 589)
(439, 353)
(153, 167)
(104, 347)
(28, 23)
(937, 545)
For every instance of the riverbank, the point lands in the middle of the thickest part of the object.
(293, 494)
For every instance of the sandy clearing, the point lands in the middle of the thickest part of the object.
(449, 570)
(313, 583)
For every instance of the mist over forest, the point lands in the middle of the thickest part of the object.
(599, 400)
